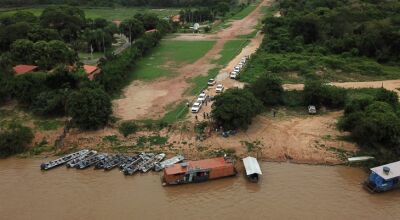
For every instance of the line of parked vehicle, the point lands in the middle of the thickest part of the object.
(235, 74)
(219, 88)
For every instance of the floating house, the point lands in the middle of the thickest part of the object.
(252, 168)
(198, 171)
(384, 178)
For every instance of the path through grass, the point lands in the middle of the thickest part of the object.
(231, 49)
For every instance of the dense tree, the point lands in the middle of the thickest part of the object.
(14, 138)
(89, 108)
(132, 28)
(13, 32)
(22, 51)
(68, 21)
(268, 88)
(235, 108)
(50, 102)
(149, 20)
(25, 88)
(318, 94)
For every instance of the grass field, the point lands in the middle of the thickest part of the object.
(168, 55)
(243, 13)
(107, 13)
(229, 51)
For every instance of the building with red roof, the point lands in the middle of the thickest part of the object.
(22, 69)
(151, 31)
(91, 71)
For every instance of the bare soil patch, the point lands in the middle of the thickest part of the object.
(387, 84)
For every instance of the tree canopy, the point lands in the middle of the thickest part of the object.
(235, 108)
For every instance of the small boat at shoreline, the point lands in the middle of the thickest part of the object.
(74, 162)
(384, 178)
(151, 163)
(198, 171)
(90, 161)
(359, 159)
(117, 160)
(252, 168)
(135, 165)
(54, 163)
(161, 165)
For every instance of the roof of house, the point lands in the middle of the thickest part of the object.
(89, 69)
(251, 165)
(394, 170)
(199, 164)
(150, 31)
(21, 69)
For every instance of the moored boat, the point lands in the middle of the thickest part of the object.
(74, 162)
(252, 168)
(198, 171)
(54, 163)
(161, 165)
(151, 163)
(90, 161)
(384, 178)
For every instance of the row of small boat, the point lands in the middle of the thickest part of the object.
(129, 165)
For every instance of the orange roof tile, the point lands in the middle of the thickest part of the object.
(89, 69)
(21, 69)
(201, 164)
(150, 31)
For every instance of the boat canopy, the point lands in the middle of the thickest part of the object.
(251, 165)
(393, 172)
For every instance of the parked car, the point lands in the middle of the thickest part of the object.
(237, 68)
(196, 106)
(211, 82)
(243, 60)
(202, 97)
(312, 110)
(234, 75)
(219, 88)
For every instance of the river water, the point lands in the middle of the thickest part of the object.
(286, 191)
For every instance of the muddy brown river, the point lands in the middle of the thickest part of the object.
(286, 191)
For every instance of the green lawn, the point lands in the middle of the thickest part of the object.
(243, 13)
(167, 56)
(176, 113)
(107, 13)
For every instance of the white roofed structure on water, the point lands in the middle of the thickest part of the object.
(251, 165)
(393, 172)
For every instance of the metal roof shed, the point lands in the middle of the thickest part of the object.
(251, 165)
(393, 172)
